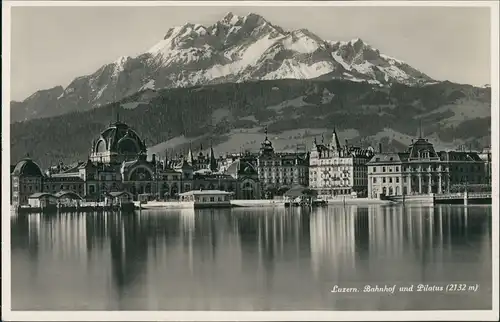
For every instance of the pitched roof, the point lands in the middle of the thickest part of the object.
(70, 194)
(387, 157)
(115, 194)
(38, 195)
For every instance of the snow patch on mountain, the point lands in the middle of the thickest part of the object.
(248, 57)
(391, 60)
(364, 68)
(304, 45)
(99, 93)
(295, 70)
(394, 72)
(149, 85)
(340, 60)
(119, 65)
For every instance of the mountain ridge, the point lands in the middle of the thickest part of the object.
(233, 49)
(231, 115)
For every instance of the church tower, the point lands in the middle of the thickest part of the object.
(335, 142)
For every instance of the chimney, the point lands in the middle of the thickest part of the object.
(346, 143)
(380, 147)
(154, 158)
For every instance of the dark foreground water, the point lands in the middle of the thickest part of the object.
(253, 259)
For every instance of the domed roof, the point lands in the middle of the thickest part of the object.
(266, 145)
(421, 146)
(239, 167)
(28, 168)
(120, 138)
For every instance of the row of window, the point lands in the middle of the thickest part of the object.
(211, 199)
(276, 163)
(390, 180)
(281, 169)
(265, 175)
(334, 161)
(384, 169)
(470, 168)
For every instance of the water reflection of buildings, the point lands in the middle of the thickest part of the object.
(338, 236)
(395, 240)
(63, 234)
(211, 255)
(400, 229)
(275, 234)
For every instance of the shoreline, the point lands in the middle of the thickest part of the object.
(260, 203)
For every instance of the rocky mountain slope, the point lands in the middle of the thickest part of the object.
(233, 115)
(234, 49)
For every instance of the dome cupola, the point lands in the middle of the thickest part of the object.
(27, 168)
(266, 146)
(118, 143)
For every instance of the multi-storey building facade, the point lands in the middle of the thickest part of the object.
(336, 170)
(118, 162)
(422, 170)
(277, 169)
(26, 179)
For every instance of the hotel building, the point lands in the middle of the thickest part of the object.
(336, 170)
(422, 170)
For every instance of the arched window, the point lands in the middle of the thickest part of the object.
(141, 174)
(101, 146)
(384, 191)
(397, 191)
(390, 191)
(148, 188)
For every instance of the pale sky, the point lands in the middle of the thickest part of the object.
(51, 46)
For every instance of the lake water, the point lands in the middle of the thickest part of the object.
(253, 259)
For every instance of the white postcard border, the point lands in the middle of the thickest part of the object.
(9, 315)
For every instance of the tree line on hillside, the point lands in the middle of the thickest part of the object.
(188, 111)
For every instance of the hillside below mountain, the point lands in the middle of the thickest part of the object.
(233, 115)
(233, 50)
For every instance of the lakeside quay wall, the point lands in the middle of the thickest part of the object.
(259, 203)
(358, 201)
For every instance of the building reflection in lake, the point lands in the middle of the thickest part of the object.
(333, 233)
(244, 259)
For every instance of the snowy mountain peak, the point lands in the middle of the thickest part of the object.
(231, 18)
(356, 41)
(237, 49)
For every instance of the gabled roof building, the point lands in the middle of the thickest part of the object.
(422, 170)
